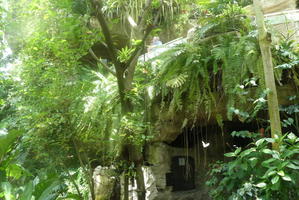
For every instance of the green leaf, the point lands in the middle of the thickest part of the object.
(243, 134)
(71, 196)
(14, 171)
(281, 173)
(231, 154)
(238, 150)
(253, 161)
(275, 154)
(261, 185)
(270, 140)
(45, 188)
(287, 178)
(7, 140)
(269, 173)
(247, 152)
(292, 136)
(47, 194)
(275, 179)
(267, 162)
(260, 141)
(267, 151)
(7, 188)
(292, 166)
(272, 173)
(27, 194)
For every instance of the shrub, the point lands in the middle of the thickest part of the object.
(258, 172)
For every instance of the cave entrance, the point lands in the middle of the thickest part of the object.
(182, 173)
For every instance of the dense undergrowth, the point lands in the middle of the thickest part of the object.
(258, 172)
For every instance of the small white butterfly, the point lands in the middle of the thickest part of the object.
(205, 145)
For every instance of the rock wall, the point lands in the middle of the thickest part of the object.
(104, 182)
(272, 6)
(159, 155)
(284, 25)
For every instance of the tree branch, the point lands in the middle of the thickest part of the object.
(101, 62)
(139, 48)
(106, 31)
(146, 9)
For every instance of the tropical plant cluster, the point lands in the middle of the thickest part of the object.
(258, 172)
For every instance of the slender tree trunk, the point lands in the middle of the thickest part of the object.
(126, 104)
(126, 187)
(265, 42)
(125, 85)
(124, 82)
(116, 194)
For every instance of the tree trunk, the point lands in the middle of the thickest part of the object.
(126, 187)
(265, 42)
(116, 190)
(124, 82)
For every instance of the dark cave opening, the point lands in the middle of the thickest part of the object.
(190, 137)
(182, 175)
(183, 167)
(214, 135)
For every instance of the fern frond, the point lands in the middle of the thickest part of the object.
(178, 81)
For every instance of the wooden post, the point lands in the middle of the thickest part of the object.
(265, 42)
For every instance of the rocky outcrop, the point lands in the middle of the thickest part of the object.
(272, 6)
(104, 182)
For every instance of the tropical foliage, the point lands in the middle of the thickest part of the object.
(222, 59)
(258, 172)
(73, 94)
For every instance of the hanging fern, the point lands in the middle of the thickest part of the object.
(220, 61)
(178, 81)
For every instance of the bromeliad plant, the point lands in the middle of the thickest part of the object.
(258, 172)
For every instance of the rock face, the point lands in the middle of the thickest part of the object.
(284, 24)
(178, 169)
(282, 17)
(150, 185)
(272, 6)
(160, 157)
(104, 181)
